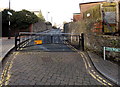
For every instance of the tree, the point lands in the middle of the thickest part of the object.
(19, 20)
(22, 19)
(41, 17)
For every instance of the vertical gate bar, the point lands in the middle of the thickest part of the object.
(75, 37)
(104, 53)
(70, 39)
(62, 39)
(57, 38)
(19, 41)
(79, 38)
(29, 40)
(82, 42)
(51, 39)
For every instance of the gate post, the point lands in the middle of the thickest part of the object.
(16, 42)
(82, 41)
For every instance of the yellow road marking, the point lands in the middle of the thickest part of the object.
(95, 76)
(81, 53)
(5, 74)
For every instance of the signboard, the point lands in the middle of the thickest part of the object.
(110, 49)
(38, 42)
(110, 0)
(110, 17)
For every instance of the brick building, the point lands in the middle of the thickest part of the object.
(85, 6)
(76, 17)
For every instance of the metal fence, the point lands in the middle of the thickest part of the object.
(27, 39)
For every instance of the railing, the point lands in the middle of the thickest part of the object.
(48, 38)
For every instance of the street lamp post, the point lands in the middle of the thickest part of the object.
(9, 30)
(47, 16)
(51, 19)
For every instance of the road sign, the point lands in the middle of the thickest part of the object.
(38, 42)
(112, 49)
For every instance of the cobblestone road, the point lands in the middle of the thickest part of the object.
(46, 68)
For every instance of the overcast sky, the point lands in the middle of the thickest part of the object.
(60, 10)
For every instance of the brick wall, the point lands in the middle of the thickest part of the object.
(95, 43)
(40, 26)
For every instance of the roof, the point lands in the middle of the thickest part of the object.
(76, 13)
(91, 2)
(35, 11)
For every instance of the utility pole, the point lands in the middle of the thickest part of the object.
(9, 4)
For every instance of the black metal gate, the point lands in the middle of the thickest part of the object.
(26, 39)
